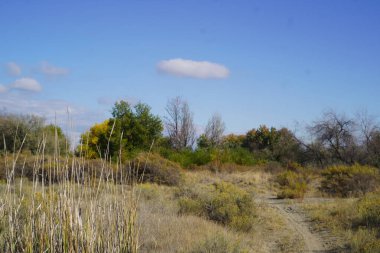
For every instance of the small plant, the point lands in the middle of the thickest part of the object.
(292, 184)
(345, 181)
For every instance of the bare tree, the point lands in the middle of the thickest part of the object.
(179, 124)
(368, 127)
(336, 133)
(370, 136)
(215, 129)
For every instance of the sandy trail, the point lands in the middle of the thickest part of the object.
(315, 242)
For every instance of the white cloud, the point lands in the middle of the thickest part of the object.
(13, 69)
(28, 84)
(3, 88)
(50, 70)
(194, 69)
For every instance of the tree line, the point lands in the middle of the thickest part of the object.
(30, 133)
(332, 139)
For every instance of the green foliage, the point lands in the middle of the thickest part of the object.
(55, 140)
(261, 138)
(222, 202)
(186, 157)
(133, 128)
(238, 156)
(129, 131)
(272, 144)
(233, 141)
(202, 156)
(345, 181)
(292, 184)
(31, 133)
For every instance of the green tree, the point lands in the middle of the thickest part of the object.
(260, 139)
(129, 130)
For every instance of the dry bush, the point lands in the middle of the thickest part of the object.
(221, 202)
(153, 168)
(292, 184)
(345, 181)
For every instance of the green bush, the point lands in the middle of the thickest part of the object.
(202, 156)
(292, 184)
(345, 181)
(155, 169)
(222, 202)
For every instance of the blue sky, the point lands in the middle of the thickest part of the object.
(253, 62)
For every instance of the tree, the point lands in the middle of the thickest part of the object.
(214, 130)
(260, 139)
(93, 143)
(55, 141)
(30, 133)
(130, 129)
(336, 134)
(286, 148)
(179, 124)
(233, 141)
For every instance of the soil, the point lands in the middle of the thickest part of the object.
(298, 221)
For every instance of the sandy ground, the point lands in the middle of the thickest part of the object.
(297, 220)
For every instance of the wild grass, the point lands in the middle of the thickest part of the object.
(355, 221)
(64, 208)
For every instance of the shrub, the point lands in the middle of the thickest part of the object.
(368, 211)
(153, 168)
(292, 184)
(348, 181)
(365, 241)
(222, 202)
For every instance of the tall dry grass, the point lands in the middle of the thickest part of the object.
(69, 205)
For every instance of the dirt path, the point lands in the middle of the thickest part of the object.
(298, 221)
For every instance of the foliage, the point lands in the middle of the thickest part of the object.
(94, 142)
(345, 181)
(30, 133)
(292, 184)
(233, 141)
(130, 130)
(202, 156)
(222, 202)
(261, 138)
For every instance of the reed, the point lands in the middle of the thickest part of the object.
(68, 205)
